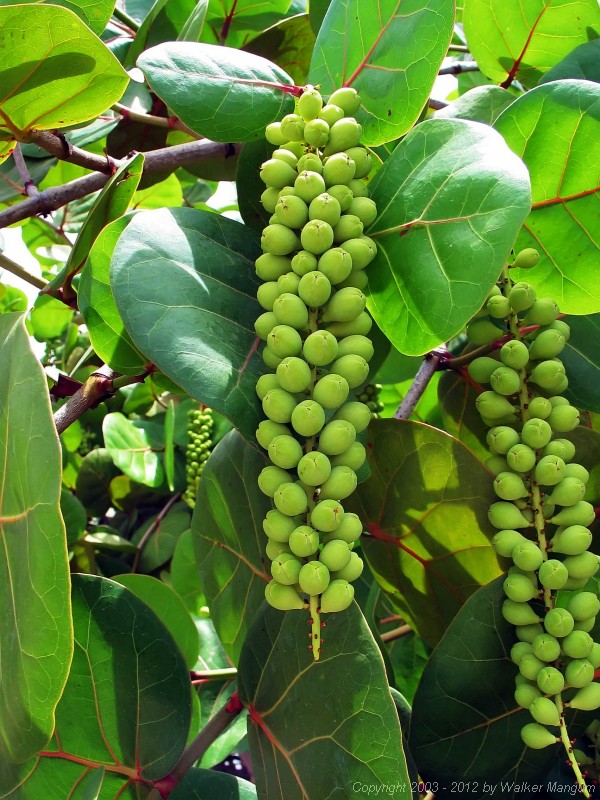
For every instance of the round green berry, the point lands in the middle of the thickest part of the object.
(307, 418)
(304, 541)
(327, 515)
(283, 598)
(314, 468)
(290, 499)
(285, 451)
(313, 578)
(331, 391)
(337, 596)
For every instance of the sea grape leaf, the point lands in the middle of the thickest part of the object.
(524, 40)
(581, 358)
(107, 333)
(480, 104)
(206, 784)
(184, 574)
(583, 63)
(185, 286)
(289, 44)
(132, 450)
(561, 118)
(95, 13)
(295, 721)
(36, 635)
(390, 52)
(228, 538)
(93, 481)
(451, 199)
(166, 531)
(425, 507)
(224, 94)
(235, 22)
(127, 702)
(46, 81)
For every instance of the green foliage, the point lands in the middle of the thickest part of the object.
(137, 652)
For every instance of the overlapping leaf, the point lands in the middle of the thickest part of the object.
(555, 129)
(224, 94)
(460, 418)
(298, 720)
(289, 44)
(204, 784)
(389, 51)
(425, 506)
(126, 705)
(465, 723)
(235, 22)
(132, 450)
(229, 539)
(581, 358)
(184, 284)
(451, 199)
(524, 40)
(583, 63)
(95, 13)
(46, 80)
(107, 333)
(480, 104)
(36, 636)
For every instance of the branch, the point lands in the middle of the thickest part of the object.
(458, 48)
(437, 104)
(20, 272)
(459, 68)
(401, 630)
(96, 388)
(156, 160)
(28, 184)
(427, 370)
(60, 148)
(199, 677)
(172, 123)
(124, 17)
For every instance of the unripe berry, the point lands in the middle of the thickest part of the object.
(314, 469)
(307, 418)
(550, 680)
(583, 566)
(314, 578)
(527, 633)
(544, 711)
(578, 644)
(267, 430)
(337, 596)
(285, 452)
(310, 103)
(579, 673)
(303, 262)
(362, 251)
(536, 433)
(525, 694)
(548, 344)
(577, 471)
(344, 133)
(283, 598)
(504, 542)
(558, 622)
(338, 169)
(348, 228)
(265, 383)
(505, 515)
(304, 541)
(518, 650)
(278, 240)
(496, 464)
(347, 99)
(501, 438)
(274, 135)
(353, 368)
(536, 736)
(331, 391)
(285, 569)
(357, 345)
(542, 312)
(289, 309)
(336, 437)
(549, 470)
(326, 208)
(340, 484)
(583, 605)
(283, 340)
(481, 369)
(352, 571)
(548, 374)
(288, 283)
(331, 113)
(314, 289)
(364, 209)
(336, 264)
(274, 549)
(278, 405)
(553, 574)
(586, 625)
(271, 478)
(269, 199)
(320, 348)
(309, 185)
(343, 194)
(519, 614)
(316, 236)
(291, 211)
(287, 156)
(519, 588)
(521, 296)
(587, 698)
(290, 499)
(292, 127)
(270, 359)
(344, 306)
(493, 406)
(563, 419)
(278, 526)
(335, 555)
(270, 267)
(316, 133)
(327, 515)
(530, 665)
(568, 492)
(354, 457)
(498, 307)
(514, 354)
(509, 486)
(526, 259)
(539, 408)
(581, 513)
(311, 162)
(482, 331)
(546, 647)
(505, 381)
(276, 173)
(527, 556)
(265, 324)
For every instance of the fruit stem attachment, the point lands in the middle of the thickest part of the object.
(564, 735)
(315, 626)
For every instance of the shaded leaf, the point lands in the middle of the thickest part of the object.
(228, 538)
(465, 723)
(562, 119)
(93, 481)
(250, 186)
(458, 239)
(425, 506)
(581, 358)
(95, 13)
(460, 417)
(169, 609)
(36, 635)
(289, 44)
(185, 286)
(204, 784)
(583, 63)
(184, 574)
(226, 95)
(480, 104)
(523, 40)
(126, 705)
(296, 721)
(234, 22)
(108, 336)
(165, 534)
(132, 450)
(74, 516)
(59, 83)
(213, 696)
(49, 318)
(390, 52)
(161, 23)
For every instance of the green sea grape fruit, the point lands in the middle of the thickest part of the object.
(327, 515)
(314, 468)
(313, 578)
(271, 478)
(340, 484)
(335, 555)
(563, 419)
(587, 698)
(481, 369)
(514, 354)
(518, 613)
(559, 622)
(577, 644)
(525, 694)
(546, 647)
(285, 569)
(550, 680)
(331, 113)
(331, 391)
(336, 437)
(539, 407)
(304, 541)
(325, 207)
(572, 541)
(527, 258)
(583, 605)
(283, 598)
(521, 296)
(320, 348)
(278, 526)
(337, 596)
(553, 574)
(544, 711)
(505, 381)
(290, 499)
(542, 312)
(353, 569)
(579, 673)
(536, 736)
(505, 541)
(307, 418)
(501, 438)
(506, 515)
(581, 513)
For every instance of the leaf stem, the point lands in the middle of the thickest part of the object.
(124, 17)
(10, 266)
(29, 186)
(427, 370)
(315, 627)
(564, 735)
(172, 123)
(459, 68)
(396, 633)
(207, 675)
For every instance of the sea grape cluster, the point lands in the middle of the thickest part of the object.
(541, 515)
(200, 428)
(315, 332)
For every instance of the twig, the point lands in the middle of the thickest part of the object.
(458, 48)
(97, 387)
(172, 123)
(151, 528)
(124, 17)
(437, 104)
(401, 630)
(164, 158)
(426, 372)
(28, 184)
(206, 675)
(60, 148)
(10, 266)
(459, 67)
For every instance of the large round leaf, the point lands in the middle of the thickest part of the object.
(581, 358)
(185, 287)
(451, 199)
(95, 13)
(36, 637)
(425, 506)
(523, 40)
(228, 538)
(224, 94)
(323, 728)
(555, 129)
(54, 72)
(389, 51)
